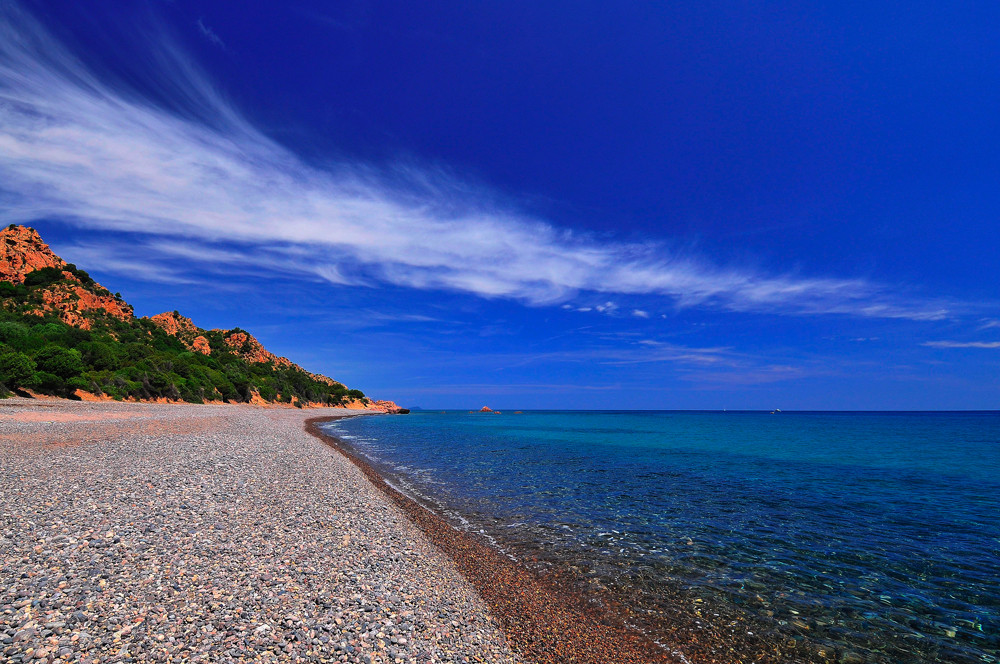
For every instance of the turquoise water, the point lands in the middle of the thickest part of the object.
(852, 536)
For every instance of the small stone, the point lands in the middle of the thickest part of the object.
(25, 634)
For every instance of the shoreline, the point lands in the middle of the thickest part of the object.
(145, 533)
(546, 622)
(771, 571)
(681, 624)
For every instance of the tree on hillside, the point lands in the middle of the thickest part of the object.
(62, 362)
(16, 369)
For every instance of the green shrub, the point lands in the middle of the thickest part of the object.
(63, 362)
(16, 369)
(99, 355)
(79, 383)
(43, 277)
(14, 334)
(80, 274)
(50, 330)
(47, 383)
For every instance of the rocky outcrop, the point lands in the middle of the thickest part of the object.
(387, 407)
(22, 251)
(248, 348)
(76, 305)
(485, 409)
(323, 379)
(75, 300)
(175, 325)
(200, 345)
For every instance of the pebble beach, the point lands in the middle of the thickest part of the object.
(174, 533)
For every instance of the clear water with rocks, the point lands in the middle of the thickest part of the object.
(855, 537)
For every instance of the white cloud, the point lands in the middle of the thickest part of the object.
(210, 34)
(963, 344)
(99, 257)
(649, 351)
(607, 308)
(639, 313)
(77, 147)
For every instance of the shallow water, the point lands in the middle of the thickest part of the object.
(852, 536)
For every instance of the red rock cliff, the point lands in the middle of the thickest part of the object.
(22, 251)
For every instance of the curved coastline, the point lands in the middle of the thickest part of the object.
(547, 622)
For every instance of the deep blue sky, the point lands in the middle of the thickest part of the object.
(533, 205)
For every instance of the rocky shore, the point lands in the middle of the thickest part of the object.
(165, 533)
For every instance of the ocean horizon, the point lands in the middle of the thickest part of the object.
(853, 536)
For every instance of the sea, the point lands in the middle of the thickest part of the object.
(816, 536)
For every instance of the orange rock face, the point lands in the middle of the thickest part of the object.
(485, 409)
(386, 406)
(22, 251)
(72, 302)
(200, 345)
(251, 350)
(174, 324)
(184, 329)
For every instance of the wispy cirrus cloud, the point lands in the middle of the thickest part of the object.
(962, 344)
(210, 34)
(76, 146)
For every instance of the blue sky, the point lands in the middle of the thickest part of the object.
(535, 205)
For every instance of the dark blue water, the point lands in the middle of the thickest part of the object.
(854, 536)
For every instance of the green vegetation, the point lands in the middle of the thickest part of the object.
(50, 275)
(133, 359)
